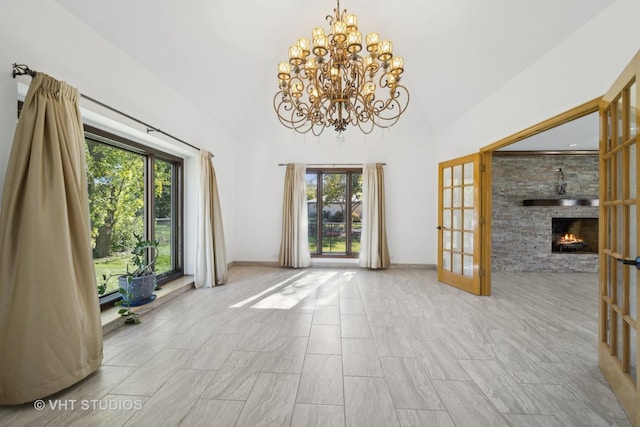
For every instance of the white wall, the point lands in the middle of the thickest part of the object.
(578, 70)
(47, 38)
(410, 181)
(250, 181)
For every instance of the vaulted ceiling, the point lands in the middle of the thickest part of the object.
(222, 55)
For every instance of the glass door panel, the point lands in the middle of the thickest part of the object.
(311, 180)
(116, 184)
(459, 182)
(618, 356)
(356, 212)
(164, 215)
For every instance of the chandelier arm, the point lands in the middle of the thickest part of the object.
(368, 130)
(394, 105)
(290, 116)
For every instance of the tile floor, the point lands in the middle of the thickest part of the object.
(350, 347)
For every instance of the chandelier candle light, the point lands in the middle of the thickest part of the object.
(327, 82)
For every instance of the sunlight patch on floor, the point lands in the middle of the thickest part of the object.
(295, 292)
(266, 291)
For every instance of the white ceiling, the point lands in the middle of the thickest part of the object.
(456, 52)
(579, 134)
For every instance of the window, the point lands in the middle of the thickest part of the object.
(334, 200)
(132, 190)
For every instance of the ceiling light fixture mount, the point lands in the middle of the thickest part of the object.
(328, 83)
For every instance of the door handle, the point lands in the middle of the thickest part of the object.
(438, 228)
(635, 262)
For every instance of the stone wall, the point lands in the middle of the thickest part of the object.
(521, 235)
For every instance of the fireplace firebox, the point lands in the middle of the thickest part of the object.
(574, 235)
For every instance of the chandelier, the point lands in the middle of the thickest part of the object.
(328, 82)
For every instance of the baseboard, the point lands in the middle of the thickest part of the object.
(253, 264)
(413, 266)
(328, 263)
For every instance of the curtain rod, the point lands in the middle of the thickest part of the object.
(329, 164)
(24, 70)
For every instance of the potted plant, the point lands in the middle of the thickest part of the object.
(136, 287)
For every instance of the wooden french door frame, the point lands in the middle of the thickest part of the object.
(486, 160)
(620, 239)
(485, 187)
(459, 223)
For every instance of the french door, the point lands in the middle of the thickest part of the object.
(619, 238)
(459, 223)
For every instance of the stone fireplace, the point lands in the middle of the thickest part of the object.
(525, 203)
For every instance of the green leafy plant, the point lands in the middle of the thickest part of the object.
(145, 253)
(130, 317)
(143, 268)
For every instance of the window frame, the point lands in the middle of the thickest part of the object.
(150, 154)
(319, 171)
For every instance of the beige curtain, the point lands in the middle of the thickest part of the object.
(374, 252)
(294, 247)
(211, 259)
(49, 315)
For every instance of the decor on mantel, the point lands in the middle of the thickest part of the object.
(336, 86)
(561, 202)
(562, 184)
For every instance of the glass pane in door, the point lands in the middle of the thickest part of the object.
(633, 276)
(457, 219)
(633, 104)
(446, 218)
(334, 197)
(468, 219)
(446, 177)
(632, 173)
(468, 243)
(620, 225)
(311, 180)
(457, 241)
(633, 367)
(620, 170)
(457, 175)
(164, 215)
(457, 197)
(468, 174)
(609, 178)
(468, 196)
(356, 212)
(468, 266)
(620, 284)
(609, 145)
(609, 321)
(620, 337)
(457, 264)
(446, 260)
(633, 295)
(610, 277)
(619, 117)
(446, 198)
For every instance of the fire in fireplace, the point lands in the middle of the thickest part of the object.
(574, 235)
